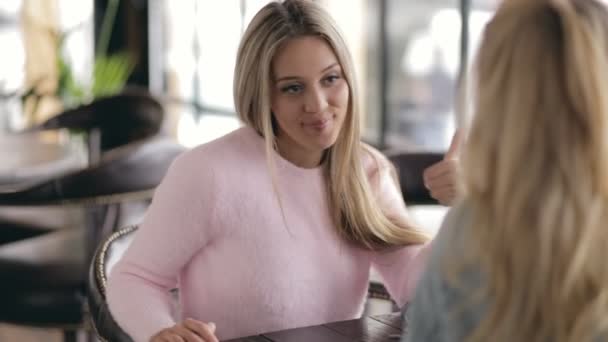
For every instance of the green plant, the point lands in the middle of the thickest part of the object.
(110, 72)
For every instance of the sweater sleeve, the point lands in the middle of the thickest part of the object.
(176, 226)
(399, 268)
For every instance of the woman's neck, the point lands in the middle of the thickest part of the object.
(298, 155)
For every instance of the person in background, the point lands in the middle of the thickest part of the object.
(277, 224)
(522, 256)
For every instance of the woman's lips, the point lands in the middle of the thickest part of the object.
(319, 124)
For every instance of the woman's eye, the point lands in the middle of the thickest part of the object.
(331, 79)
(292, 89)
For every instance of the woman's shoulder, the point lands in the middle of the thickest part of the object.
(453, 231)
(452, 241)
(449, 246)
(230, 143)
(236, 146)
(447, 283)
(201, 164)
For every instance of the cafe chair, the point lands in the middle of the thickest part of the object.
(109, 251)
(129, 116)
(27, 159)
(47, 274)
(12, 231)
(43, 284)
(110, 122)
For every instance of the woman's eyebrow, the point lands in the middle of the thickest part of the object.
(289, 78)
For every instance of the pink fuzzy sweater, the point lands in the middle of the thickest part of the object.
(215, 230)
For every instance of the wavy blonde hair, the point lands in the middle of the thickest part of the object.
(536, 171)
(357, 215)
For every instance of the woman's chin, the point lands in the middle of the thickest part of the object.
(324, 142)
(320, 141)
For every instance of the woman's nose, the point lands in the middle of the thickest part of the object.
(315, 101)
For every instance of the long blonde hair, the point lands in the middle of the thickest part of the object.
(536, 171)
(357, 216)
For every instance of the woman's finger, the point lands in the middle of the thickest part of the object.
(205, 330)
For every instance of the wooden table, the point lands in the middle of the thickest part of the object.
(33, 156)
(383, 328)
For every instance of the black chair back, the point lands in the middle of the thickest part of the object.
(124, 118)
(410, 168)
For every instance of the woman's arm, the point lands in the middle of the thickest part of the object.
(176, 226)
(399, 268)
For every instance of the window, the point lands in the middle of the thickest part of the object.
(202, 38)
(406, 52)
(31, 31)
(13, 64)
(423, 62)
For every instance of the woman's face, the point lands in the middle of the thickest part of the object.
(309, 99)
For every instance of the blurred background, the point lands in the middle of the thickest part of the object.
(408, 54)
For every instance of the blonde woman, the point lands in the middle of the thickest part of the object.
(275, 225)
(523, 257)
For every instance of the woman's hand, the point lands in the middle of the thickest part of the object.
(189, 330)
(443, 178)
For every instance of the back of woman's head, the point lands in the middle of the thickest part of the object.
(536, 170)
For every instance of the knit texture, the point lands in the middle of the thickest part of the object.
(215, 230)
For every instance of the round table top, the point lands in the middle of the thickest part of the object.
(37, 155)
(127, 173)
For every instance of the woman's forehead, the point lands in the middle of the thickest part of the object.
(303, 56)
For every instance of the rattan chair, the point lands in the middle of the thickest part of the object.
(106, 255)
